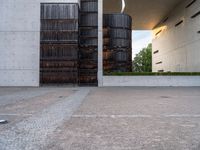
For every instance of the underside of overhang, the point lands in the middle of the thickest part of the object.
(146, 14)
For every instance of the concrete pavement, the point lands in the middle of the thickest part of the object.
(111, 118)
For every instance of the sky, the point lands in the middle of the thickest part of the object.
(140, 40)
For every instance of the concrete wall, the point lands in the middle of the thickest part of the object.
(20, 41)
(151, 81)
(179, 47)
(100, 43)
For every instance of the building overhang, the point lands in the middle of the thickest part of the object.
(146, 14)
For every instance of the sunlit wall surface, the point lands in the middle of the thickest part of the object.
(176, 41)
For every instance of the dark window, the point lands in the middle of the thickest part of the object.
(195, 15)
(198, 31)
(160, 70)
(158, 32)
(179, 23)
(156, 51)
(159, 63)
(190, 4)
(165, 19)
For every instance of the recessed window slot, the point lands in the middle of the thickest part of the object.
(165, 19)
(159, 63)
(158, 32)
(198, 31)
(190, 4)
(195, 15)
(160, 70)
(156, 51)
(179, 23)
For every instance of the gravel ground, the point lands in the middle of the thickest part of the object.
(32, 133)
(101, 119)
(133, 119)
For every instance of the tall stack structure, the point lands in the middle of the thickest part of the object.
(117, 51)
(88, 42)
(69, 43)
(59, 43)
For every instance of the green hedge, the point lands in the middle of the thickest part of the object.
(152, 74)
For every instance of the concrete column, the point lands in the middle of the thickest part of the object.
(100, 43)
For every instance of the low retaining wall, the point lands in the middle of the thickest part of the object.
(151, 81)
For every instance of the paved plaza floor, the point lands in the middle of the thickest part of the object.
(91, 118)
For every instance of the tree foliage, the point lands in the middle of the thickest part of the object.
(143, 60)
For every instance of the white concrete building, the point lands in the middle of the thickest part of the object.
(176, 43)
(178, 47)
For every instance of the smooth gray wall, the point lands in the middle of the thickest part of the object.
(151, 81)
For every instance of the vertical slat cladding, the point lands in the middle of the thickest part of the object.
(88, 33)
(59, 11)
(88, 42)
(89, 55)
(59, 36)
(117, 43)
(117, 21)
(59, 43)
(59, 25)
(89, 6)
(120, 33)
(59, 51)
(89, 19)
